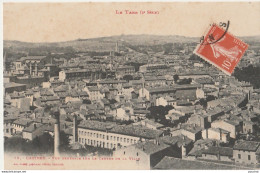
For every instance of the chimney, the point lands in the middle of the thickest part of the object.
(218, 154)
(155, 141)
(183, 151)
(57, 133)
(30, 68)
(34, 115)
(143, 147)
(75, 129)
(183, 137)
(249, 95)
(36, 69)
(220, 133)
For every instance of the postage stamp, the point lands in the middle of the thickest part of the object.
(221, 49)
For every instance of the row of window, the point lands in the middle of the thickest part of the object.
(16, 125)
(107, 137)
(97, 143)
(248, 157)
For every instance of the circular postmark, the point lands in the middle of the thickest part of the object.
(211, 38)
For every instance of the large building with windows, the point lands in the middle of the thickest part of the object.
(247, 152)
(152, 67)
(73, 74)
(113, 136)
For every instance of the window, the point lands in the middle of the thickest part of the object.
(124, 152)
(124, 139)
(117, 138)
(137, 154)
(249, 157)
(239, 156)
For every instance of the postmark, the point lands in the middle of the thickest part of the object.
(221, 49)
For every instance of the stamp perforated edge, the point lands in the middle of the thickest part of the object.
(212, 63)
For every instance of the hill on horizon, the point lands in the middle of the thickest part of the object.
(108, 43)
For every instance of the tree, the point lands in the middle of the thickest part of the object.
(167, 48)
(64, 142)
(14, 144)
(194, 57)
(176, 78)
(40, 144)
(184, 81)
(158, 112)
(128, 77)
(86, 101)
(249, 74)
(203, 102)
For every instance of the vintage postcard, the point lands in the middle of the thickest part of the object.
(131, 85)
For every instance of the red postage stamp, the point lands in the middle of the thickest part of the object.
(221, 49)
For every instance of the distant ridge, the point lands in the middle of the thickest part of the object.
(108, 43)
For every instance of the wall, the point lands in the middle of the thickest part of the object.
(105, 138)
(131, 151)
(226, 126)
(244, 156)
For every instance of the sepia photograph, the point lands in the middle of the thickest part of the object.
(131, 85)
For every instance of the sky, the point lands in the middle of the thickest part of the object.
(55, 22)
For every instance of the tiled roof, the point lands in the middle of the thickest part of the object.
(151, 147)
(156, 124)
(32, 58)
(12, 84)
(223, 151)
(246, 145)
(179, 140)
(180, 164)
(129, 130)
(112, 81)
(32, 127)
(94, 88)
(22, 121)
(191, 128)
